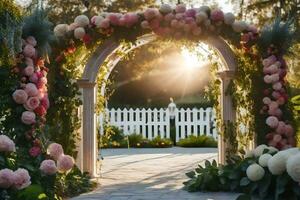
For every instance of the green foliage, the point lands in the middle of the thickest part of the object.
(74, 183)
(159, 142)
(38, 26)
(33, 192)
(198, 141)
(278, 34)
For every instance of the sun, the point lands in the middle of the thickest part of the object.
(190, 59)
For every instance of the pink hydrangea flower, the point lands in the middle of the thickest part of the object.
(65, 163)
(31, 89)
(34, 151)
(104, 24)
(31, 40)
(180, 8)
(28, 117)
(28, 61)
(145, 25)
(130, 19)
(34, 78)
(32, 103)
(217, 15)
(6, 178)
(190, 12)
(29, 51)
(6, 144)
(48, 167)
(113, 18)
(21, 179)
(20, 96)
(151, 13)
(55, 150)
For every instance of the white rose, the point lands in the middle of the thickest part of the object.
(165, 8)
(293, 167)
(60, 30)
(229, 18)
(255, 172)
(82, 20)
(272, 149)
(263, 159)
(239, 26)
(259, 150)
(277, 164)
(79, 32)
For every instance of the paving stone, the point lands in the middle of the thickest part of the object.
(151, 174)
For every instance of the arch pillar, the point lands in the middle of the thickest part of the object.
(228, 113)
(89, 152)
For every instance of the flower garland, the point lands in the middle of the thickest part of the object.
(281, 133)
(178, 22)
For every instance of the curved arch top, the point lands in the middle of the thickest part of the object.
(108, 53)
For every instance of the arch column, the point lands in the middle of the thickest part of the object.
(228, 113)
(89, 133)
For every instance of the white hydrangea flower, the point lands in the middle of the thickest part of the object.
(277, 164)
(82, 20)
(97, 20)
(255, 172)
(239, 26)
(258, 151)
(79, 32)
(272, 149)
(263, 160)
(165, 8)
(60, 30)
(293, 167)
(229, 18)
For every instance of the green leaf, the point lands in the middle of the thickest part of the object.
(190, 174)
(281, 183)
(207, 163)
(214, 163)
(244, 181)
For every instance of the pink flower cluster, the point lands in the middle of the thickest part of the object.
(6, 144)
(32, 93)
(64, 162)
(281, 133)
(18, 179)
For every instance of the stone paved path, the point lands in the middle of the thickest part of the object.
(151, 174)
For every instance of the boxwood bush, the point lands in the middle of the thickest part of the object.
(198, 141)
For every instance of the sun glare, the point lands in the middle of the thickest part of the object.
(191, 60)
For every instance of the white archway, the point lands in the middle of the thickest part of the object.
(108, 53)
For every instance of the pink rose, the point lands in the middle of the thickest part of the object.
(280, 128)
(180, 8)
(31, 89)
(34, 151)
(40, 111)
(154, 24)
(48, 167)
(272, 121)
(29, 70)
(20, 96)
(269, 61)
(28, 117)
(55, 150)
(31, 40)
(45, 101)
(6, 144)
(34, 78)
(6, 178)
(21, 179)
(277, 86)
(32, 103)
(43, 80)
(277, 138)
(267, 100)
(29, 61)
(169, 17)
(29, 51)
(131, 19)
(65, 163)
(104, 24)
(217, 15)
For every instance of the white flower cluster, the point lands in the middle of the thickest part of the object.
(287, 160)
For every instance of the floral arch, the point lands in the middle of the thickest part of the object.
(222, 31)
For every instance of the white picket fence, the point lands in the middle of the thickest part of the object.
(156, 122)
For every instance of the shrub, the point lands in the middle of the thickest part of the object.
(113, 137)
(198, 141)
(135, 140)
(159, 142)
